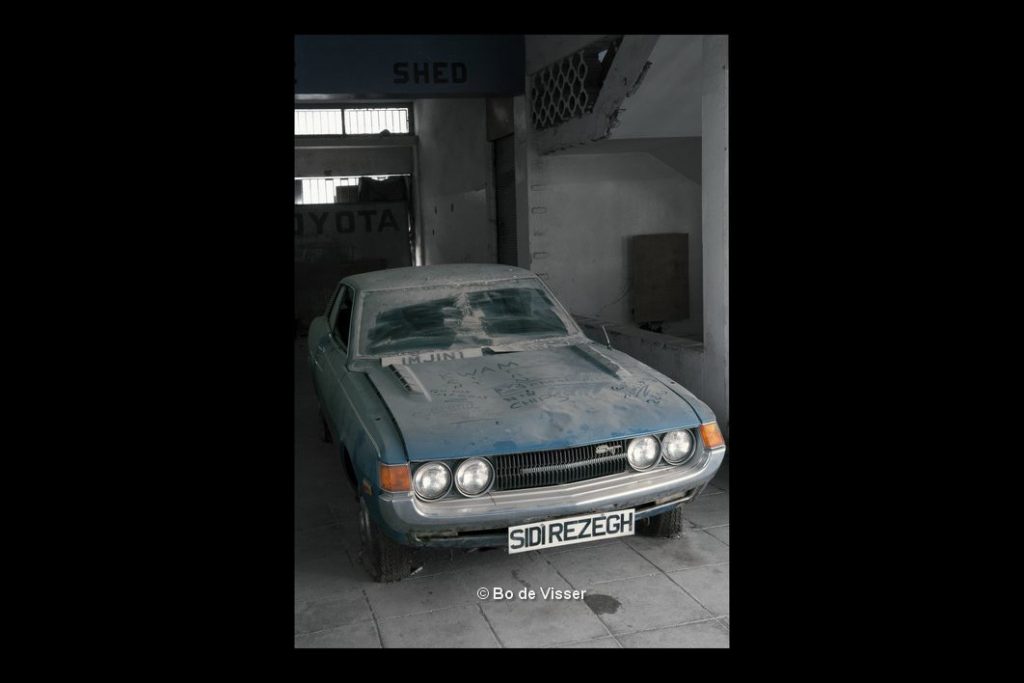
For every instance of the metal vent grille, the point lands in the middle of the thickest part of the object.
(569, 87)
(565, 466)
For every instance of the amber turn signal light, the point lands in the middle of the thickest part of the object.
(395, 478)
(711, 435)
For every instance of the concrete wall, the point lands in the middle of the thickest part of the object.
(584, 208)
(667, 103)
(715, 203)
(393, 160)
(586, 201)
(455, 174)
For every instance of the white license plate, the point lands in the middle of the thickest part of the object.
(569, 530)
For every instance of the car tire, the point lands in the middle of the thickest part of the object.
(666, 525)
(384, 559)
(325, 431)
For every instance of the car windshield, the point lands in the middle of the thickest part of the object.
(456, 317)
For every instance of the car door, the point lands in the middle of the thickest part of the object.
(331, 357)
(319, 330)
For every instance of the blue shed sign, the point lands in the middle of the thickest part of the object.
(375, 66)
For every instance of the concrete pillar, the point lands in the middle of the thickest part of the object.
(714, 112)
(524, 156)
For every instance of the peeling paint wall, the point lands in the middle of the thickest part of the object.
(455, 179)
(667, 103)
(625, 75)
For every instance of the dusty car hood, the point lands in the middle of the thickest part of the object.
(526, 401)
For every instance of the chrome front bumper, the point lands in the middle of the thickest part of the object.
(446, 522)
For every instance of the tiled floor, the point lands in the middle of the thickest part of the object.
(640, 592)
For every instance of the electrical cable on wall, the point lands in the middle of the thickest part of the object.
(622, 296)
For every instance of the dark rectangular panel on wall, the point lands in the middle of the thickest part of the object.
(659, 268)
(505, 199)
(333, 241)
(384, 66)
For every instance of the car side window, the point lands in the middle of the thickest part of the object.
(330, 302)
(342, 318)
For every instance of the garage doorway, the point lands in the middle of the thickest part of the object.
(505, 199)
(345, 225)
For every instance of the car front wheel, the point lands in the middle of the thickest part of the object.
(384, 559)
(666, 525)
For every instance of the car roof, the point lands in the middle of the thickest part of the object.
(448, 274)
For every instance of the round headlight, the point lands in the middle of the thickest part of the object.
(473, 477)
(642, 453)
(432, 480)
(677, 446)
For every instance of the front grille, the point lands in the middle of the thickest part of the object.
(564, 466)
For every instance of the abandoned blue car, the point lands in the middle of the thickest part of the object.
(470, 410)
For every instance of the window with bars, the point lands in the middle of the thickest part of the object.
(352, 121)
(324, 189)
